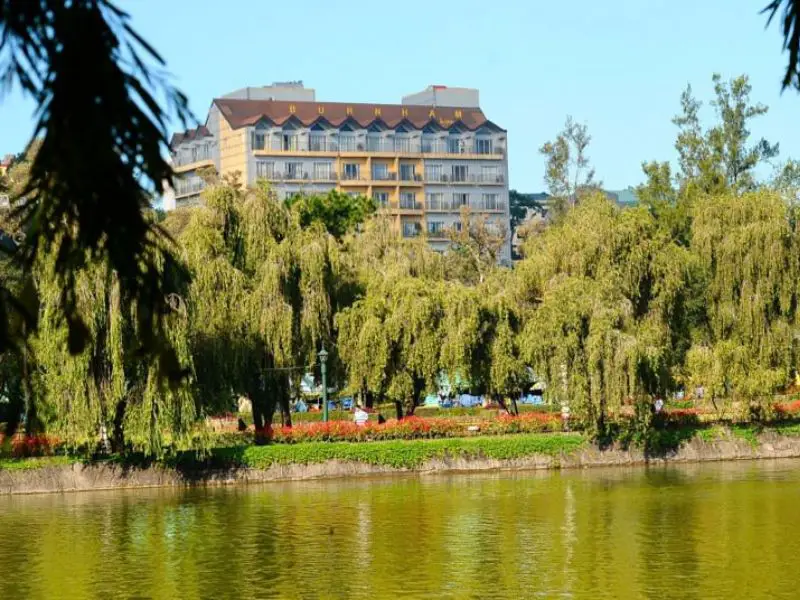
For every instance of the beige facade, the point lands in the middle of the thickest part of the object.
(421, 163)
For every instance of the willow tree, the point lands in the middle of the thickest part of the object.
(746, 345)
(261, 298)
(607, 293)
(389, 338)
(110, 386)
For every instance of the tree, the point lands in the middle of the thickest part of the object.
(719, 157)
(568, 173)
(338, 212)
(262, 298)
(102, 132)
(475, 247)
(607, 290)
(745, 346)
(787, 181)
(790, 29)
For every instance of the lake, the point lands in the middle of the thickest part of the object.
(726, 530)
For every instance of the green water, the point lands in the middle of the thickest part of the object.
(712, 531)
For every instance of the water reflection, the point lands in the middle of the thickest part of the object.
(703, 531)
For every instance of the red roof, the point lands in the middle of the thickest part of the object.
(243, 113)
(189, 135)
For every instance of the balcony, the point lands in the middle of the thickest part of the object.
(443, 205)
(378, 176)
(187, 188)
(301, 176)
(410, 205)
(411, 230)
(337, 144)
(467, 178)
(488, 206)
(191, 158)
(410, 178)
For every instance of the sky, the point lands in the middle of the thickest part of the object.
(617, 65)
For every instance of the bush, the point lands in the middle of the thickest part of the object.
(23, 446)
(414, 427)
(401, 453)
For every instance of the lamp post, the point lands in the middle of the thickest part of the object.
(323, 367)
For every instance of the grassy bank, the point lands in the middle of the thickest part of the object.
(400, 453)
(410, 454)
(394, 453)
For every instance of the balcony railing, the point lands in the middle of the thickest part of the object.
(435, 204)
(487, 205)
(325, 143)
(377, 176)
(300, 176)
(467, 178)
(184, 188)
(410, 205)
(186, 158)
(410, 176)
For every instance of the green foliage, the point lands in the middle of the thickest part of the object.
(745, 346)
(719, 158)
(86, 194)
(607, 286)
(568, 173)
(31, 464)
(337, 211)
(403, 454)
(789, 24)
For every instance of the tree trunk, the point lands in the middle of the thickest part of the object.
(501, 402)
(286, 411)
(398, 407)
(118, 435)
(514, 404)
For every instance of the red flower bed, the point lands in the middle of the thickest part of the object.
(684, 416)
(414, 428)
(787, 409)
(34, 445)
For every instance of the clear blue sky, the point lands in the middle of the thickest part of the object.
(618, 65)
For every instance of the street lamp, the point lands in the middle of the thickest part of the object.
(323, 367)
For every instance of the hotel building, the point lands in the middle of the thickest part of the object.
(421, 160)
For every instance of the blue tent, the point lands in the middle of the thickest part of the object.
(431, 400)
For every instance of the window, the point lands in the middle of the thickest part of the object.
(490, 174)
(265, 169)
(408, 172)
(380, 171)
(434, 201)
(291, 141)
(402, 144)
(433, 173)
(322, 171)
(436, 228)
(347, 142)
(258, 140)
(410, 229)
(294, 170)
(455, 145)
(350, 171)
(317, 142)
(483, 146)
(489, 202)
(459, 200)
(459, 173)
(408, 200)
(430, 144)
(375, 143)
(381, 198)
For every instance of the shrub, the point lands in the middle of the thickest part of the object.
(23, 446)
